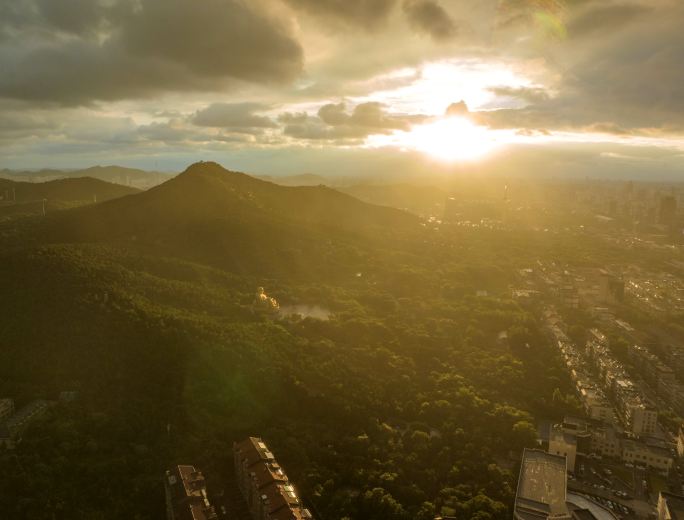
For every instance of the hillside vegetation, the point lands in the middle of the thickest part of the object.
(403, 404)
(29, 198)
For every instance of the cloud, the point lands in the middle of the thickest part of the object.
(370, 115)
(429, 17)
(623, 81)
(233, 115)
(141, 48)
(528, 94)
(605, 17)
(365, 14)
(81, 17)
(172, 131)
(333, 122)
(188, 73)
(20, 124)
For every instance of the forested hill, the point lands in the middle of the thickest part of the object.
(401, 403)
(63, 190)
(207, 191)
(240, 223)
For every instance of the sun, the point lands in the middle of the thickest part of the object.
(452, 139)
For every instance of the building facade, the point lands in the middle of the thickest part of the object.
(565, 445)
(186, 495)
(264, 485)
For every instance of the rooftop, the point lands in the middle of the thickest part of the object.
(541, 486)
(188, 494)
(192, 480)
(268, 479)
(253, 450)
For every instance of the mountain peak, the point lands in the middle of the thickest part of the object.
(205, 167)
(213, 170)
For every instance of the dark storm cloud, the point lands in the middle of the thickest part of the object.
(17, 15)
(18, 124)
(429, 17)
(76, 16)
(335, 123)
(233, 115)
(143, 48)
(367, 14)
(622, 81)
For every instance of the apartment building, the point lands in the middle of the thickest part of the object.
(266, 488)
(186, 495)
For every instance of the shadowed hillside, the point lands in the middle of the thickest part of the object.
(29, 198)
(65, 190)
(241, 223)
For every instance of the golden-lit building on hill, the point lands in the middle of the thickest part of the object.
(264, 303)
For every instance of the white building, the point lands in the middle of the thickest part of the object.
(641, 419)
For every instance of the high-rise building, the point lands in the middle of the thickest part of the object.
(667, 211)
(612, 288)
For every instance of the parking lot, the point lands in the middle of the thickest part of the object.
(623, 489)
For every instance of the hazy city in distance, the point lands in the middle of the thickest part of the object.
(341, 259)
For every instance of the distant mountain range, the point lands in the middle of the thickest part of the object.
(26, 198)
(67, 190)
(140, 179)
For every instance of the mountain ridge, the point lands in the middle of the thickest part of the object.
(68, 189)
(239, 223)
(114, 174)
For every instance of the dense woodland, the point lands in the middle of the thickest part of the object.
(407, 402)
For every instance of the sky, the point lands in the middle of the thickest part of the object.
(346, 87)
